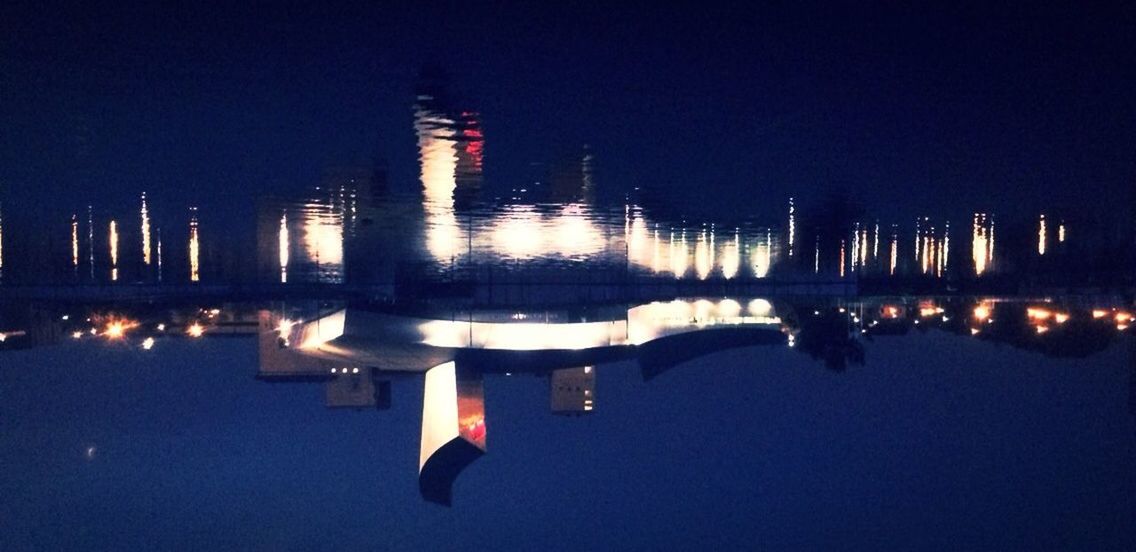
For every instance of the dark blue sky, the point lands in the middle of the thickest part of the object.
(915, 109)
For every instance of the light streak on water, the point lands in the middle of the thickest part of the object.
(656, 263)
(864, 247)
(1061, 233)
(194, 248)
(894, 251)
(145, 232)
(946, 247)
(876, 242)
(75, 241)
(792, 226)
(323, 237)
(763, 256)
(282, 241)
(816, 256)
(638, 239)
(159, 252)
(713, 249)
(918, 242)
(1041, 235)
(518, 234)
(702, 261)
(113, 251)
(991, 251)
(575, 233)
(855, 246)
(841, 258)
(731, 255)
(91, 240)
(438, 173)
(679, 254)
(982, 243)
(925, 259)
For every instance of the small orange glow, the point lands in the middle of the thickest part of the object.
(1038, 314)
(1122, 327)
(1042, 329)
(77, 335)
(1061, 318)
(982, 312)
(195, 330)
(926, 311)
(117, 328)
(891, 311)
(1099, 313)
(1122, 317)
(114, 330)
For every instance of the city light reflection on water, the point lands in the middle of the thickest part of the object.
(453, 227)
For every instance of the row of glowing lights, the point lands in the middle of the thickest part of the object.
(117, 328)
(519, 235)
(1037, 315)
(113, 239)
(1041, 317)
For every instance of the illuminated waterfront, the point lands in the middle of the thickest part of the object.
(567, 276)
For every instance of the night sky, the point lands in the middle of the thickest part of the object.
(916, 110)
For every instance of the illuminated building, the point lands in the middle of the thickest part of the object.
(438, 166)
(453, 429)
(452, 351)
(571, 179)
(572, 390)
(469, 146)
(356, 387)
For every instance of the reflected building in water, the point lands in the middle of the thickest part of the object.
(573, 390)
(354, 351)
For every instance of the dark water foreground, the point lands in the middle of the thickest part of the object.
(939, 440)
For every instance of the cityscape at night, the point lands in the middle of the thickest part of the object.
(620, 276)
